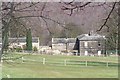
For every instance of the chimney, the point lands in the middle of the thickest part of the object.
(89, 33)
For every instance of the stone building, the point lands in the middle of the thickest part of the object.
(21, 42)
(91, 44)
(85, 44)
(63, 44)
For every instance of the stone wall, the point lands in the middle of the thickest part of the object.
(91, 47)
(62, 44)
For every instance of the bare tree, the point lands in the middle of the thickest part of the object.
(12, 13)
(119, 29)
(113, 39)
(72, 6)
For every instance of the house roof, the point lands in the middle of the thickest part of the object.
(63, 40)
(92, 37)
(22, 40)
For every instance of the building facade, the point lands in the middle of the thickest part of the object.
(85, 44)
(63, 44)
(93, 44)
(21, 42)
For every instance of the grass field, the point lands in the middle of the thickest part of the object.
(53, 69)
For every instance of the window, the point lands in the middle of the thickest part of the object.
(85, 44)
(86, 53)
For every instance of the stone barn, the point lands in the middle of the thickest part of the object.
(63, 44)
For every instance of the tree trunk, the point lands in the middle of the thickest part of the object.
(119, 28)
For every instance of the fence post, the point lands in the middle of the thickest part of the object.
(107, 64)
(65, 62)
(86, 63)
(22, 60)
(8, 76)
(43, 60)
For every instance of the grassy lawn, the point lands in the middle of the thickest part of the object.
(35, 69)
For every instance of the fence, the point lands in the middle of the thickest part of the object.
(70, 62)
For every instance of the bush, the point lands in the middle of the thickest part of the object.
(18, 49)
(24, 47)
(35, 48)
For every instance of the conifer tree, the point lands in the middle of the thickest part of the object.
(28, 40)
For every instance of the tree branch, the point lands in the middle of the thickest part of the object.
(107, 18)
(74, 6)
(42, 17)
(27, 6)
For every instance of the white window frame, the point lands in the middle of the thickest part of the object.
(86, 53)
(85, 44)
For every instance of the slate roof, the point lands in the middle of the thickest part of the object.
(63, 40)
(93, 37)
(21, 40)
